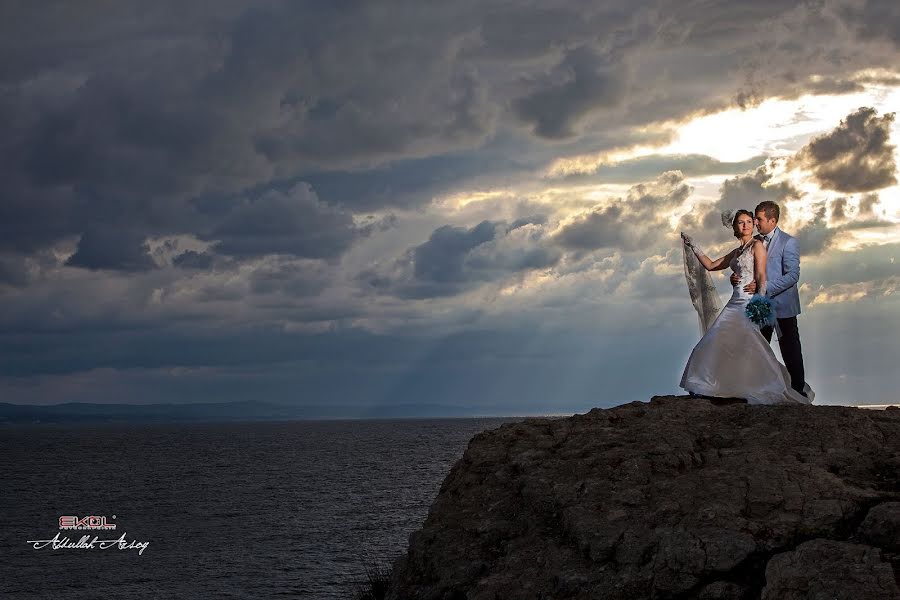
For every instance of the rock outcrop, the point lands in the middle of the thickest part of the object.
(678, 498)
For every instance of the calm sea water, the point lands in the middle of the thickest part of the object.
(290, 509)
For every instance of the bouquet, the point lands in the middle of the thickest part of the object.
(760, 311)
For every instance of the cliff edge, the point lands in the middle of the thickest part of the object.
(678, 498)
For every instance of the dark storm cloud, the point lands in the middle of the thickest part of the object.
(346, 85)
(456, 259)
(293, 277)
(746, 191)
(293, 222)
(874, 19)
(865, 264)
(588, 83)
(518, 32)
(125, 114)
(411, 182)
(440, 259)
(855, 157)
(600, 228)
(116, 249)
(193, 260)
(123, 120)
(13, 271)
(19, 270)
(815, 235)
(77, 36)
(867, 204)
(839, 209)
(631, 223)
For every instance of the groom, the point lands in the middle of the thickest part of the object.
(782, 273)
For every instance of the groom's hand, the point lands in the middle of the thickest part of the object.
(750, 287)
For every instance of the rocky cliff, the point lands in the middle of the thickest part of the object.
(678, 498)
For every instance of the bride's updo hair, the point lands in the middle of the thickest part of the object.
(734, 228)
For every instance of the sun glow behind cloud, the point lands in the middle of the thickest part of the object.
(776, 127)
(779, 128)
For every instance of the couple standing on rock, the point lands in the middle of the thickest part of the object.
(734, 358)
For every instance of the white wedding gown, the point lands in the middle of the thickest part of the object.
(733, 359)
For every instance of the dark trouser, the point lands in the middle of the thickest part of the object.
(789, 342)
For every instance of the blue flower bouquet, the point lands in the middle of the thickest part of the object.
(760, 311)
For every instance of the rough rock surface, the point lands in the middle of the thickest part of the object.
(816, 569)
(882, 526)
(678, 498)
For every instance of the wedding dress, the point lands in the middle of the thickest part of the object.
(733, 359)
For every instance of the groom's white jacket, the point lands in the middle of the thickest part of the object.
(782, 273)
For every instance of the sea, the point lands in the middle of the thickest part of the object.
(286, 509)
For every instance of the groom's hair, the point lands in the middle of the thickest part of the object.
(770, 208)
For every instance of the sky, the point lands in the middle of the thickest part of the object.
(467, 205)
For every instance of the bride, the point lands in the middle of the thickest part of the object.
(733, 359)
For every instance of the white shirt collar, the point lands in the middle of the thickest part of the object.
(772, 234)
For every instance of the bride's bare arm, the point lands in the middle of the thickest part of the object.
(707, 262)
(760, 256)
(715, 265)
